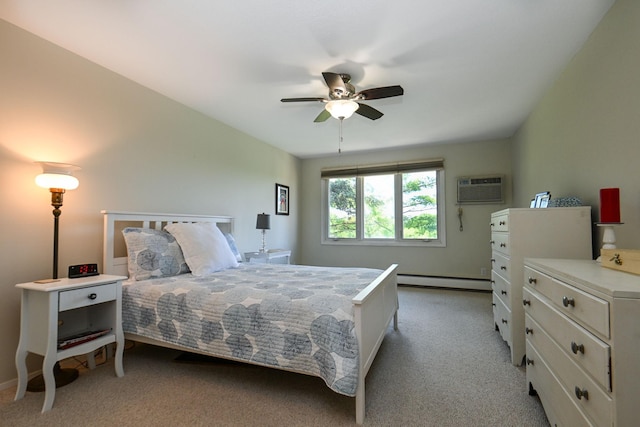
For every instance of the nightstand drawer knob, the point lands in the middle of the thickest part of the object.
(529, 361)
(532, 281)
(528, 331)
(568, 301)
(582, 393)
(526, 302)
(503, 292)
(93, 296)
(504, 321)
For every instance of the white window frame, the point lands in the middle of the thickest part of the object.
(359, 240)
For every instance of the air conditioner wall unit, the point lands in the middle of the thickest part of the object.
(481, 189)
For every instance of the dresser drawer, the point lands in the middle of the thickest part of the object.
(502, 318)
(501, 288)
(584, 307)
(500, 222)
(585, 393)
(501, 265)
(542, 283)
(500, 242)
(559, 405)
(83, 297)
(589, 352)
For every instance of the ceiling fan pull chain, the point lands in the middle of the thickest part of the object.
(340, 136)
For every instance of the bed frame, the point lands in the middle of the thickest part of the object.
(374, 306)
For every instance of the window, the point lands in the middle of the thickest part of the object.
(396, 204)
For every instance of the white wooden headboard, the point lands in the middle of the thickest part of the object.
(114, 250)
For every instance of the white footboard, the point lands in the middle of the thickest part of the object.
(374, 308)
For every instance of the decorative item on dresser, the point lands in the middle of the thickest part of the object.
(583, 341)
(525, 232)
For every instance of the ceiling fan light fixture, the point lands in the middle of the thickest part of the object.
(342, 108)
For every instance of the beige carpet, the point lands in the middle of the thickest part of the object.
(446, 366)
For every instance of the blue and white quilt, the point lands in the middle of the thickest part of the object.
(292, 317)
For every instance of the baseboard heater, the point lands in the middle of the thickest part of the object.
(444, 282)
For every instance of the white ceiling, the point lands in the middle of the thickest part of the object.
(471, 69)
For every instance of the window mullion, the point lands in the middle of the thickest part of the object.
(398, 198)
(360, 208)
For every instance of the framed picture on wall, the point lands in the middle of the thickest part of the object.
(282, 199)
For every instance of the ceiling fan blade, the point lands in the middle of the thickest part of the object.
(334, 81)
(323, 116)
(381, 92)
(301, 99)
(368, 112)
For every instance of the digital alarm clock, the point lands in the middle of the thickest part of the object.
(83, 270)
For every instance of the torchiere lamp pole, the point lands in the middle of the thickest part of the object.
(58, 178)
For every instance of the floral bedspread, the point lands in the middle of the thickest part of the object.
(292, 317)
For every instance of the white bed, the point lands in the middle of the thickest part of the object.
(373, 306)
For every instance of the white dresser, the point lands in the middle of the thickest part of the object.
(583, 342)
(520, 233)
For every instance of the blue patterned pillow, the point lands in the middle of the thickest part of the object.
(232, 245)
(153, 253)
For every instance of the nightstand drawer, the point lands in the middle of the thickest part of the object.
(83, 297)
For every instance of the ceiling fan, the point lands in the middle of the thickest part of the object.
(343, 99)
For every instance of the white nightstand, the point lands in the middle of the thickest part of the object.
(282, 256)
(64, 308)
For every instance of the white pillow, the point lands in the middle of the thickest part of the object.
(204, 247)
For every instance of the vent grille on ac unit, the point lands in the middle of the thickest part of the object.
(481, 189)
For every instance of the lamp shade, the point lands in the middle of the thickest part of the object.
(342, 108)
(57, 175)
(263, 222)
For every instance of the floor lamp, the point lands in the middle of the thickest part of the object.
(58, 178)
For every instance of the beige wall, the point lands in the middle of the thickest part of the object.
(138, 150)
(467, 251)
(585, 132)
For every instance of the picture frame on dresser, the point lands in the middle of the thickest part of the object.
(542, 199)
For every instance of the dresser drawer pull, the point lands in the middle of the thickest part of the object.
(93, 296)
(577, 347)
(526, 302)
(492, 224)
(503, 267)
(530, 362)
(493, 260)
(504, 321)
(492, 241)
(532, 281)
(503, 222)
(582, 393)
(503, 245)
(503, 292)
(568, 301)
(528, 331)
